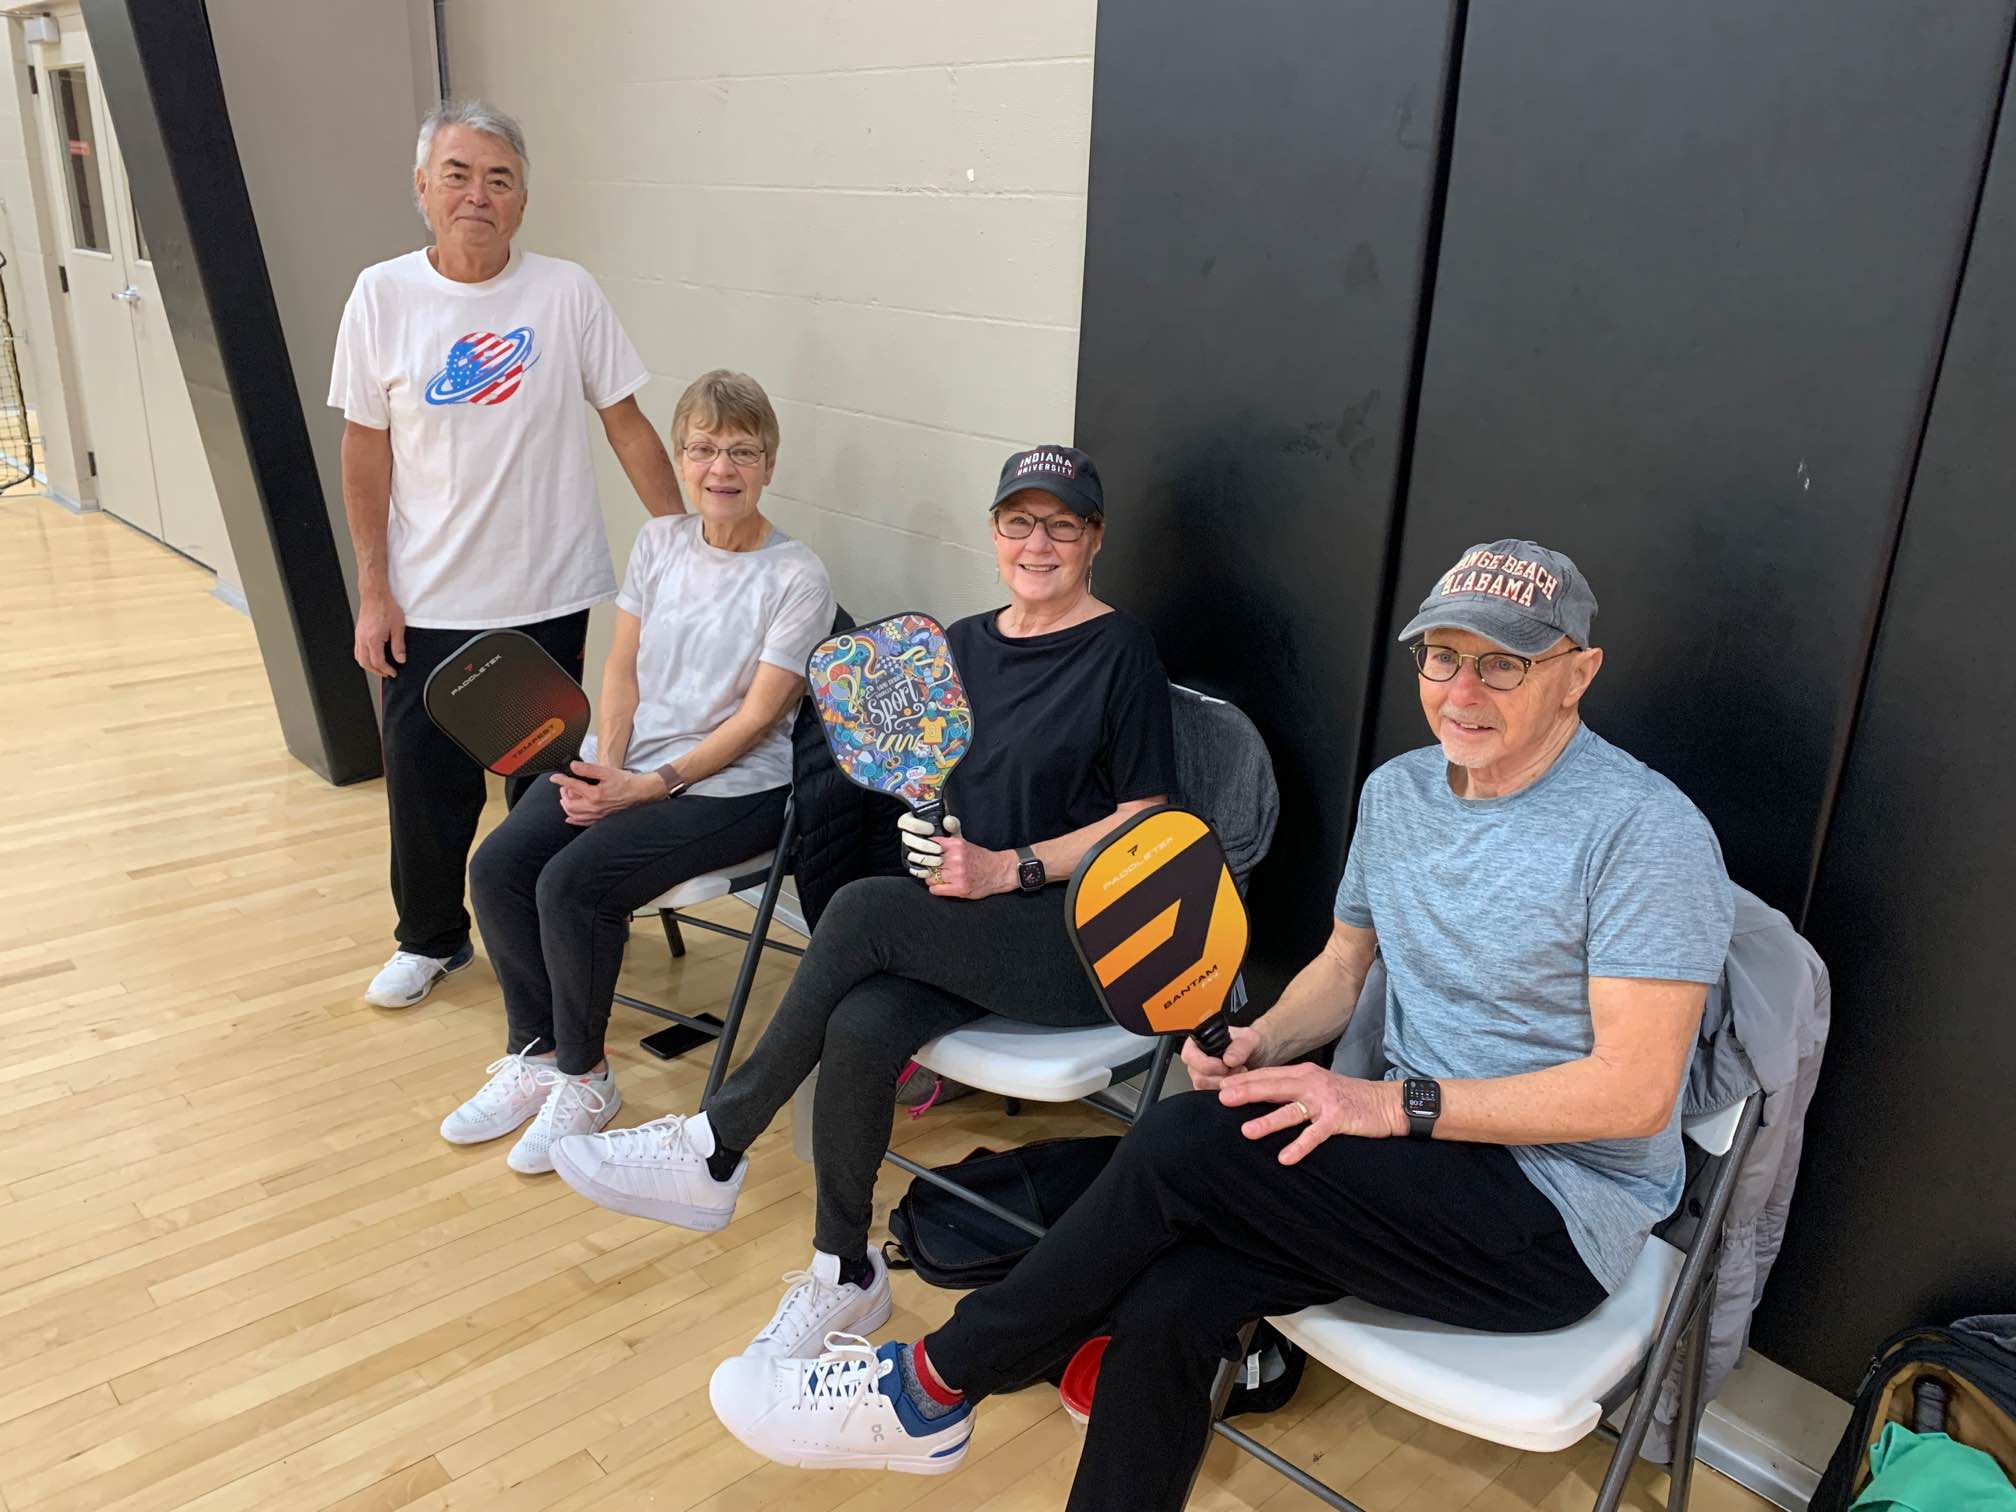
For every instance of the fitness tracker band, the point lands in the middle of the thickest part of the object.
(1422, 1100)
(1029, 873)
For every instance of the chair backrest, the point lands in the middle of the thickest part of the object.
(1223, 771)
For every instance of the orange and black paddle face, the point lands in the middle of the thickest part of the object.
(508, 704)
(1160, 926)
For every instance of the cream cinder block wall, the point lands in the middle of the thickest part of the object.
(877, 207)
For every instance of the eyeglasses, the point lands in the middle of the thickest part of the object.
(703, 454)
(1500, 670)
(1061, 528)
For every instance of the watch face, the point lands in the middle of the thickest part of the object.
(1423, 1098)
(1031, 874)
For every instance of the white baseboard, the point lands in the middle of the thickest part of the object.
(1772, 1432)
(231, 594)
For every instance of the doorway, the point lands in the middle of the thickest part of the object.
(143, 447)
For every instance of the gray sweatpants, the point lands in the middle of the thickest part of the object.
(889, 968)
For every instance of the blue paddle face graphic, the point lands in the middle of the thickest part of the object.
(892, 705)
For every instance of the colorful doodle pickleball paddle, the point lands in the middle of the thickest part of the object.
(893, 708)
(1158, 922)
(506, 702)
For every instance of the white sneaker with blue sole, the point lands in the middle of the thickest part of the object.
(846, 1410)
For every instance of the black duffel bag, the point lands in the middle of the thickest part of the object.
(951, 1243)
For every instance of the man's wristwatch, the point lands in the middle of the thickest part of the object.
(1422, 1100)
(674, 783)
(1029, 873)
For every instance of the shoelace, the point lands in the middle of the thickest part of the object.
(496, 1090)
(802, 1298)
(844, 1376)
(661, 1135)
(565, 1090)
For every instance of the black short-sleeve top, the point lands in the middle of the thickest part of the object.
(1066, 727)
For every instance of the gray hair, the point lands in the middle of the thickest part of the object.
(477, 115)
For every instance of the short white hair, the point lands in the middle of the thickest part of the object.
(477, 115)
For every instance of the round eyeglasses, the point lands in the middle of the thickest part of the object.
(1499, 670)
(1061, 528)
(703, 453)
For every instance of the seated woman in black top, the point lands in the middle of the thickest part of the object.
(1072, 734)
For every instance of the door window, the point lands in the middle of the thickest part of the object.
(77, 139)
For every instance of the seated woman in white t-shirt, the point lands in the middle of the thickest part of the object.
(690, 769)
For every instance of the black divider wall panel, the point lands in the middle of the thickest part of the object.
(1906, 1211)
(167, 101)
(1260, 203)
(1696, 265)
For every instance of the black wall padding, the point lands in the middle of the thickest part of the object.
(1907, 1205)
(1260, 203)
(1695, 271)
(167, 102)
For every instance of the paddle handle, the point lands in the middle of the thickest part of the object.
(1214, 1035)
(933, 814)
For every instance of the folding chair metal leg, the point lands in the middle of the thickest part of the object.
(738, 1001)
(1687, 1424)
(673, 938)
(1696, 1284)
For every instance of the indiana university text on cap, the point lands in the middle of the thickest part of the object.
(1516, 594)
(1063, 472)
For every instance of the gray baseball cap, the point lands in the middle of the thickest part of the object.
(1516, 594)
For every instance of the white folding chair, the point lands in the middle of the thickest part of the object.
(1546, 1391)
(767, 870)
(1215, 744)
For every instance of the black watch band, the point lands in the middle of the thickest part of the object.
(1029, 873)
(1422, 1101)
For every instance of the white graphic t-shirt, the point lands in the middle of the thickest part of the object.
(494, 516)
(709, 618)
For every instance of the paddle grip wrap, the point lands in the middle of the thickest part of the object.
(933, 814)
(1214, 1035)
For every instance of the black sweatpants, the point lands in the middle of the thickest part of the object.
(1194, 1231)
(889, 968)
(554, 900)
(436, 793)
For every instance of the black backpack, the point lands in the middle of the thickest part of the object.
(1960, 1381)
(951, 1243)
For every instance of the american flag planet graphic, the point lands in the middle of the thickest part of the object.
(484, 368)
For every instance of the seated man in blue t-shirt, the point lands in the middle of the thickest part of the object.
(1551, 913)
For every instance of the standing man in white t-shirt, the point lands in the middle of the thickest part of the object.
(460, 370)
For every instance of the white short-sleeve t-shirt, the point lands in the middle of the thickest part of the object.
(494, 517)
(708, 618)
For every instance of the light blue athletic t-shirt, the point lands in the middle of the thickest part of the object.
(1492, 915)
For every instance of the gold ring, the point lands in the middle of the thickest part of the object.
(1307, 1116)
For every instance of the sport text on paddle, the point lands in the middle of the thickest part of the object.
(894, 709)
(1158, 921)
(506, 702)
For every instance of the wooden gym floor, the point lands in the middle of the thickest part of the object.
(242, 1271)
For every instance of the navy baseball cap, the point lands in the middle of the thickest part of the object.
(1516, 594)
(1063, 472)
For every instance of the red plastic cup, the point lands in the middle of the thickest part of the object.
(1081, 1378)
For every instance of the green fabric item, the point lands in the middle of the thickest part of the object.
(1928, 1472)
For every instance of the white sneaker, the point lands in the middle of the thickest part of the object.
(512, 1095)
(844, 1410)
(656, 1170)
(406, 978)
(574, 1105)
(818, 1304)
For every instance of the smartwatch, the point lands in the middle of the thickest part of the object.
(1422, 1100)
(1029, 873)
(674, 783)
